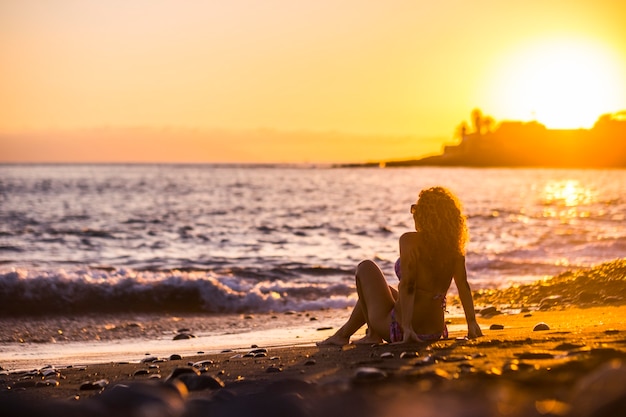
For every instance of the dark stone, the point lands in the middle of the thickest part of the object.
(201, 364)
(141, 372)
(200, 382)
(184, 336)
(176, 357)
(489, 311)
(496, 327)
(274, 369)
(541, 327)
(94, 386)
(569, 346)
(368, 374)
(176, 372)
(535, 355)
(408, 355)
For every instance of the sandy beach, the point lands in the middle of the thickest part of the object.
(566, 361)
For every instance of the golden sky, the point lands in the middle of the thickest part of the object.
(294, 81)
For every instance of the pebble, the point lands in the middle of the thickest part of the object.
(184, 336)
(141, 372)
(386, 355)
(541, 327)
(425, 361)
(176, 357)
(47, 383)
(408, 355)
(534, 355)
(202, 382)
(273, 369)
(202, 364)
(496, 327)
(569, 346)
(310, 362)
(94, 386)
(178, 371)
(369, 374)
(489, 311)
(454, 358)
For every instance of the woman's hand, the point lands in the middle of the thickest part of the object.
(473, 330)
(410, 336)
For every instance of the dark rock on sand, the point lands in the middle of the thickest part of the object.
(94, 386)
(141, 372)
(569, 346)
(274, 369)
(408, 355)
(541, 327)
(534, 355)
(202, 382)
(489, 312)
(139, 399)
(47, 383)
(496, 327)
(203, 364)
(175, 357)
(182, 371)
(184, 336)
(368, 374)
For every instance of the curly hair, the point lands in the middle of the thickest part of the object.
(438, 217)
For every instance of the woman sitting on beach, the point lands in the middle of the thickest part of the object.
(429, 259)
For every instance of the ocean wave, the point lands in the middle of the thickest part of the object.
(28, 292)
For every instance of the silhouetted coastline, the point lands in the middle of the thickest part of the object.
(531, 144)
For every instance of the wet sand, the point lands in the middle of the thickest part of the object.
(576, 366)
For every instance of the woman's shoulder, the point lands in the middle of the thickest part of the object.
(410, 237)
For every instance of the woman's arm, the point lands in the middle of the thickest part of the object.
(465, 293)
(406, 287)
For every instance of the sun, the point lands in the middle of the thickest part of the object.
(562, 83)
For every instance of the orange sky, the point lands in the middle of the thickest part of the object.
(294, 81)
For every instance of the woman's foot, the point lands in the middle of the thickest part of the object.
(334, 340)
(370, 338)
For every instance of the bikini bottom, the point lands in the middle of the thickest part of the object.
(397, 335)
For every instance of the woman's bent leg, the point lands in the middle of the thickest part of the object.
(369, 279)
(376, 298)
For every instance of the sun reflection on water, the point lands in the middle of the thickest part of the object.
(564, 199)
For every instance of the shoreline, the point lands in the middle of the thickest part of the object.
(576, 367)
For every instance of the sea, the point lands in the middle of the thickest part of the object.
(226, 240)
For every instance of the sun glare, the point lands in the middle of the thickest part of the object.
(564, 84)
